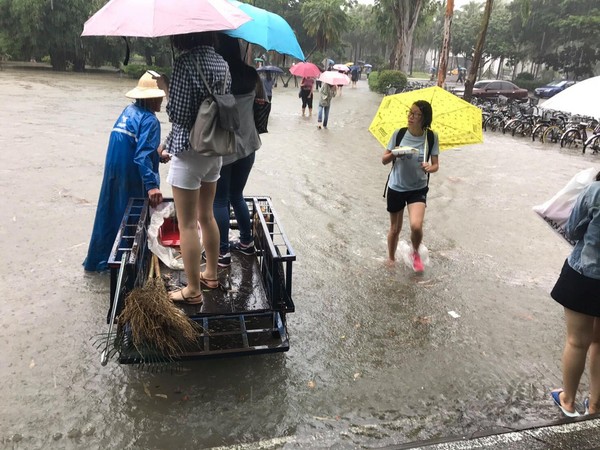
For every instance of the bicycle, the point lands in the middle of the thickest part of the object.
(577, 134)
(593, 142)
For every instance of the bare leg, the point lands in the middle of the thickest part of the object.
(416, 214)
(580, 329)
(595, 369)
(186, 204)
(210, 230)
(394, 234)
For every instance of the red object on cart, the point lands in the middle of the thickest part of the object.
(168, 233)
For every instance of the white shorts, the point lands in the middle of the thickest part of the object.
(189, 169)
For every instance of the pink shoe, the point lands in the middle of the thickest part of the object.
(417, 263)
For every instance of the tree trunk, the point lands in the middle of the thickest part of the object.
(406, 14)
(470, 81)
(499, 72)
(58, 59)
(443, 66)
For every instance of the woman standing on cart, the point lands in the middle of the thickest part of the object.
(194, 176)
(246, 85)
(130, 169)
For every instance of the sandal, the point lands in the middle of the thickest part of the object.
(197, 300)
(209, 283)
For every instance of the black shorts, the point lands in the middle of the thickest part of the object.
(577, 292)
(396, 200)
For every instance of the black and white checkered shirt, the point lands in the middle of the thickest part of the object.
(187, 91)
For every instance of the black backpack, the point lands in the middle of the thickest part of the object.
(430, 140)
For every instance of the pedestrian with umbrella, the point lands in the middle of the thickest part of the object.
(453, 122)
(306, 94)
(269, 79)
(409, 150)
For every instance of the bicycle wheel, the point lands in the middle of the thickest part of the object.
(592, 144)
(494, 123)
(523, 129)
(509, 126)
(538, 131)
(552, 134)
(570, 139)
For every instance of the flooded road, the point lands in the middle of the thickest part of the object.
(375, 360)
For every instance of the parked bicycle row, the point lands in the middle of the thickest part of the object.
(526, 119)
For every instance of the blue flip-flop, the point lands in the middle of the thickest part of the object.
(556, 397)
(586, 403)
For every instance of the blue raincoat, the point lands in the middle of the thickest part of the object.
(130, 170)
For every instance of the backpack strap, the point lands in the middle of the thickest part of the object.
(399, 137)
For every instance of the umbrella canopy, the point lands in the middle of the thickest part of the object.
(334, 78)
(456, 121)
(305, 69)
(274, 69)
(368, 65)
(582, 98)
(153, 18)
(340, 67)
(350, 63)
(268, 30)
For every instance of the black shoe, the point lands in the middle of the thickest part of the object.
(224, 260)
(246, 249)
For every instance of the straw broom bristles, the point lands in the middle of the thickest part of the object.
(156, 323)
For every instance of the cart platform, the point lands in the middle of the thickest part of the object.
(247, 317)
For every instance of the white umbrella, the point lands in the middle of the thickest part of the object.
(583, 98)
(334, 78)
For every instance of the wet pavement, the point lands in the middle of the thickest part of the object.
(376, 358)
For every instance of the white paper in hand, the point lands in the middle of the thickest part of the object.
(404, 150)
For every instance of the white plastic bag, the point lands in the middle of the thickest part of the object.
(557, 210)
(170, 256)
(406, 250)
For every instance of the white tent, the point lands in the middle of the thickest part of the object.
(582, 98)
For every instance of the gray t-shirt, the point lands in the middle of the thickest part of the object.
(407, 174)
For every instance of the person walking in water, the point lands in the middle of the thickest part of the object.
(306, 94)
(578, 291)
(409, 178)
(327, 93)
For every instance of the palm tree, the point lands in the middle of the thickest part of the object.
(325, 20)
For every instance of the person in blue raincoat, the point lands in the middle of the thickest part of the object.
(130, 169)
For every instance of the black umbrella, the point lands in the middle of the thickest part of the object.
(274, 69)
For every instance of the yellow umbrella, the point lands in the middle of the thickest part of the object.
(456, 121)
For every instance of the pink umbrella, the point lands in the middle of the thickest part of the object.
(341, 67)
(153, 18)
(305, 69)
(334, 78)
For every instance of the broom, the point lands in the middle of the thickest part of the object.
(157, 325)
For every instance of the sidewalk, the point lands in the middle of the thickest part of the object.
(566, 434)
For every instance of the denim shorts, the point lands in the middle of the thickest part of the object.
(396, 200)
(189, 169)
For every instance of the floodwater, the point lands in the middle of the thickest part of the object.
(375, 359)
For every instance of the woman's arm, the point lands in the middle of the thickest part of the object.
(387, 157)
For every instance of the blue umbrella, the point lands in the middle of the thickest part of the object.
(268, 30)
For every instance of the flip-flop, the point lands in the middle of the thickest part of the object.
(204, 283)
(555, 394)
(185, 300)
(586, 404)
